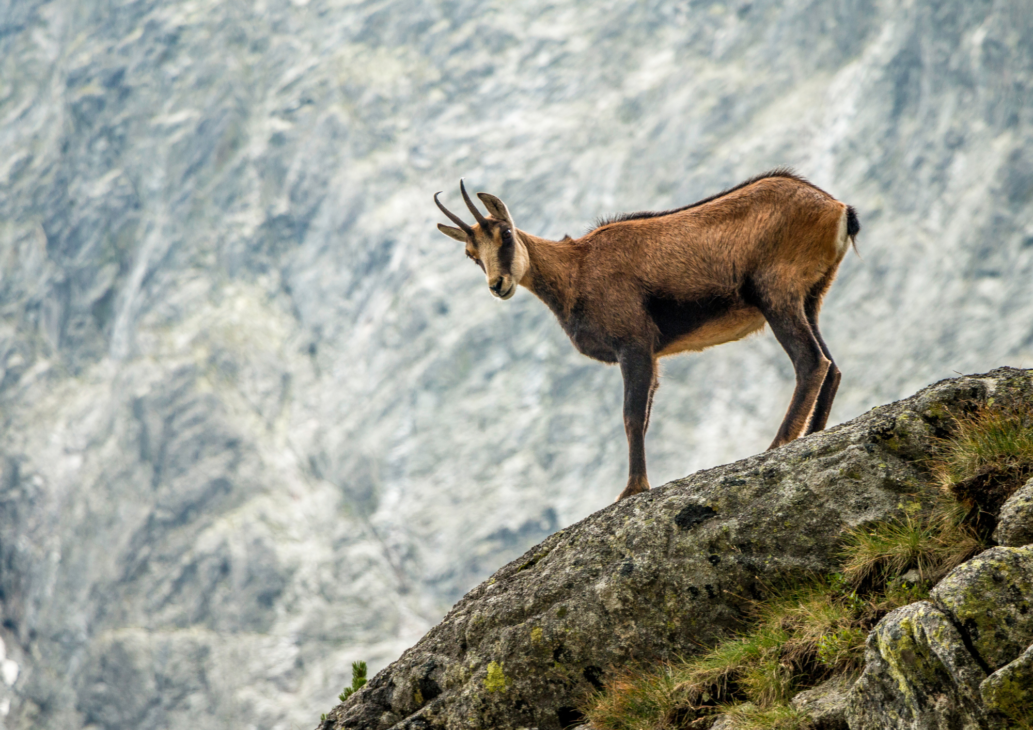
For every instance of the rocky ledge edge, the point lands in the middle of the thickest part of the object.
(660, 575)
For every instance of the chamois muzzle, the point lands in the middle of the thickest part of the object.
(503, 287)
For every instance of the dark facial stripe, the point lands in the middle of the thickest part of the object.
(506, 255)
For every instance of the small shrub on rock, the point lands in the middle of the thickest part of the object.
(358, 680)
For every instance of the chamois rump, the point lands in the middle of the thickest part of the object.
(645, 285)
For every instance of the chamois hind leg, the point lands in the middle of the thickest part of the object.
(794, 333)
(831, 383)
(639, 370)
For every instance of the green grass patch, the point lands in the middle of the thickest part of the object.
(985, 460)
(930, 541)
(799, 637)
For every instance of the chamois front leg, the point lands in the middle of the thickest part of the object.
(639, 370)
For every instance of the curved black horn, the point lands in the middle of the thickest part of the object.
(452, 216)
(471, 206)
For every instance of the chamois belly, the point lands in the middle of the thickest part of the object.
(694, 326)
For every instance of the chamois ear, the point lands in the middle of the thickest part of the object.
(496, 207)
(453, 233)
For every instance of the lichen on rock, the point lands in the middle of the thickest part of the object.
(1009, 690)
(496, 679)
(927, 664)
(917, 674)
(991, 598)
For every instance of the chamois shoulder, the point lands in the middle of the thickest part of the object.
(778, 172)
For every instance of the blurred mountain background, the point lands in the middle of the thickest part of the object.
(258, 418)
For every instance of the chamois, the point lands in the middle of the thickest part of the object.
(645, 285)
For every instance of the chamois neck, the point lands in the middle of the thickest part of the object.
(553, 272)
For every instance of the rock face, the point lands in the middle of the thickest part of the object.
(1015, 523)
(258, 419)
(826, 704)
(1009, 691)
(960, 661)
(656, 576)
(918, 674)
(991, 598)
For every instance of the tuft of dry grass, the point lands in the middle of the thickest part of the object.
(932, 542)
(989, 441)
(639, 700)
(715, 673)
(988, 456)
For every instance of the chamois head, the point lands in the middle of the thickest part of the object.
(493, 243)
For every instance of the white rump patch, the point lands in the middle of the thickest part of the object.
(843, 240)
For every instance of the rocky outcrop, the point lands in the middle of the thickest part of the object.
(961, 660)
(990, 599)
(1009, 691)
(658, 575)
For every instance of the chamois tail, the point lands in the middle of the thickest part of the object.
(853, 227)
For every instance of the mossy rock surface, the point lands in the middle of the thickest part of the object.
(664, 573)
(1009, 690)
(962, 660)
(991, 598)
(918, 674)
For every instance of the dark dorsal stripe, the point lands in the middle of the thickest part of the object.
(777, 172)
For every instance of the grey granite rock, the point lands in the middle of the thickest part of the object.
(826, 704)
(959, 661)
(723, 723)
(991, 598)
(918, 674)
(1009, 690)
(659, 575)
(1015, 522)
